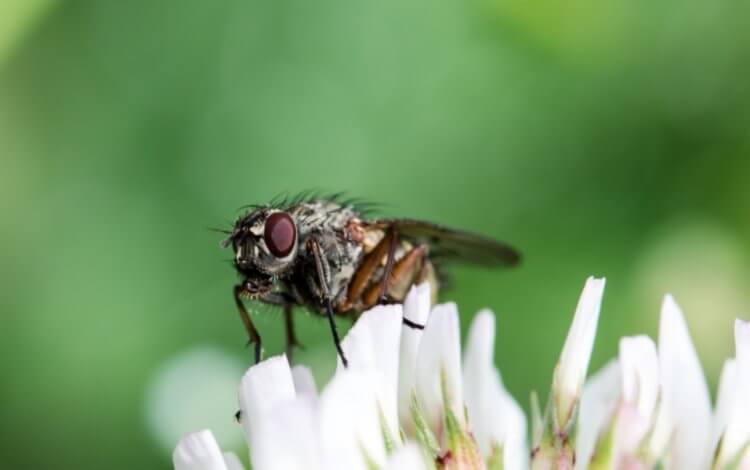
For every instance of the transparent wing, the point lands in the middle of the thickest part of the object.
(454, 245)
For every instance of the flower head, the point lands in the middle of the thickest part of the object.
(653, 407)
(410, 400)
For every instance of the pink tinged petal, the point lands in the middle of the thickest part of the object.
(286, 437)
(198, 451)
(416, 309)
(232, 461)
(372, 347)
(571, 369)
(439, 360)
(684, 418)
(408, 457)
(640, 390)
(495, 418)
(737, 434)
(745, 461)
(350, 422)
(599, 400)
(263, 387)
(724, 400)
(304, 382)
(640, 373)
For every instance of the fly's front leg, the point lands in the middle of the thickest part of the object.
(252, 332)
(321, 268)
(286, 301)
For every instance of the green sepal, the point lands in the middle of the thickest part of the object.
(423, 434)
(371, 465)
(388, 440)
(461, 444)
(496, 458)
(736, 461)
(603, 457)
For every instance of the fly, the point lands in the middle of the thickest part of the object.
(324, 254)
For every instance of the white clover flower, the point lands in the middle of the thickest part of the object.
(733, 405)
(570, 373)
(200, 451)
(655, 409)
(438, 387)
(640, 390)
(406, 401)
(681, 434)
(350, 425)
(552, 446)
(410, 400)
(599, 401)
(417, 310)
(497, 421)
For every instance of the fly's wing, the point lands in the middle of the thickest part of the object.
(454, 245)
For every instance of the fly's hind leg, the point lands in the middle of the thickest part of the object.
(406, 272)
(385, 247)
(389, 262)
(252, 332)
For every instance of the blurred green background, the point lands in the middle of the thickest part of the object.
(608, 138)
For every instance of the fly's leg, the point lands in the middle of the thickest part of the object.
(412, 325)
(272, 299)
(405, 273)
(371, 262)
(252, 332)
(314, 247)
(284, 300)
(291, 336)
(392, 242)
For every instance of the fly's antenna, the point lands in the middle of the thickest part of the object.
(219, 230)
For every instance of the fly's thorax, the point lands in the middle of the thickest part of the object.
(329, 223)
(343, 256)
(321, 215)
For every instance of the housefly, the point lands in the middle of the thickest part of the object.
(326, 255)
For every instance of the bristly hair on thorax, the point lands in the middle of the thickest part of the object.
(284, 201)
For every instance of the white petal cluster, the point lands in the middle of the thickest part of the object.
(407, 400)
(200, 451)
(652, 404)
(497, 421)
(410, 400)
(732, 421)
(570, 373)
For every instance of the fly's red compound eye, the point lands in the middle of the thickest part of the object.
(280, 234)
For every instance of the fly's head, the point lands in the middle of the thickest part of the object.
(265, 246)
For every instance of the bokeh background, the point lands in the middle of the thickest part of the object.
(606, 138)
